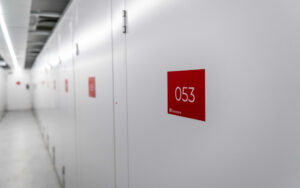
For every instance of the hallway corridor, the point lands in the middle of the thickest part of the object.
(149, 94)
(24, 161)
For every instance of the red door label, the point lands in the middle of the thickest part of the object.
(54, 84)
(186, 93)
(66, 85)
(18, 83)
(92, 87)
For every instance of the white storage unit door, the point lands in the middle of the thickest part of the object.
(67, 130)
(94, 114)
(52, 116)
(250, 50)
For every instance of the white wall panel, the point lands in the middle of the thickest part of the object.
(250, 50)
(46, 103)
(124, 137)
(18, 96)
(120, 94)
(2, 92)
(94, 115)
(67, 100)
(57, 114)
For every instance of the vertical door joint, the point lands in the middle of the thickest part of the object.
(124, 21)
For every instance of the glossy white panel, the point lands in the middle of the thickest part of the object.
(2, 92)
(250, 50)
(94, 115)
(124, 137)
(67, 100)
(120, 94)
(18, 96)
(57, 114)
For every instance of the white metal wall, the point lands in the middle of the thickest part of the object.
(124, 137)
(2, 92)
(18, 96)
(250, 50)
(94, 115)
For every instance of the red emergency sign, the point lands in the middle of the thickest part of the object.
(186, 93)
(92, 87)
(18, 83)
(66, 85)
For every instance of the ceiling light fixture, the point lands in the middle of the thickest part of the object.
(2, 64)
(8, 41)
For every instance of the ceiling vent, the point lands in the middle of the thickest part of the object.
(43, 18)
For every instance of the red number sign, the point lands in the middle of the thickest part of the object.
(186, 93)
(54, 84)
(18, 83)
(66, 85)
(92, 87)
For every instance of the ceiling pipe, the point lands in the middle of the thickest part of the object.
(46, 14)
(33, 43)
(43, 33)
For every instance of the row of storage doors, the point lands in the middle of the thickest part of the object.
(100, 94)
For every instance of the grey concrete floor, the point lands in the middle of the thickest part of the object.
(24, 161)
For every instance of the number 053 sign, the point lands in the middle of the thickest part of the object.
(186, 93)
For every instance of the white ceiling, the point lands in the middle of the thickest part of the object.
(16, 14)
